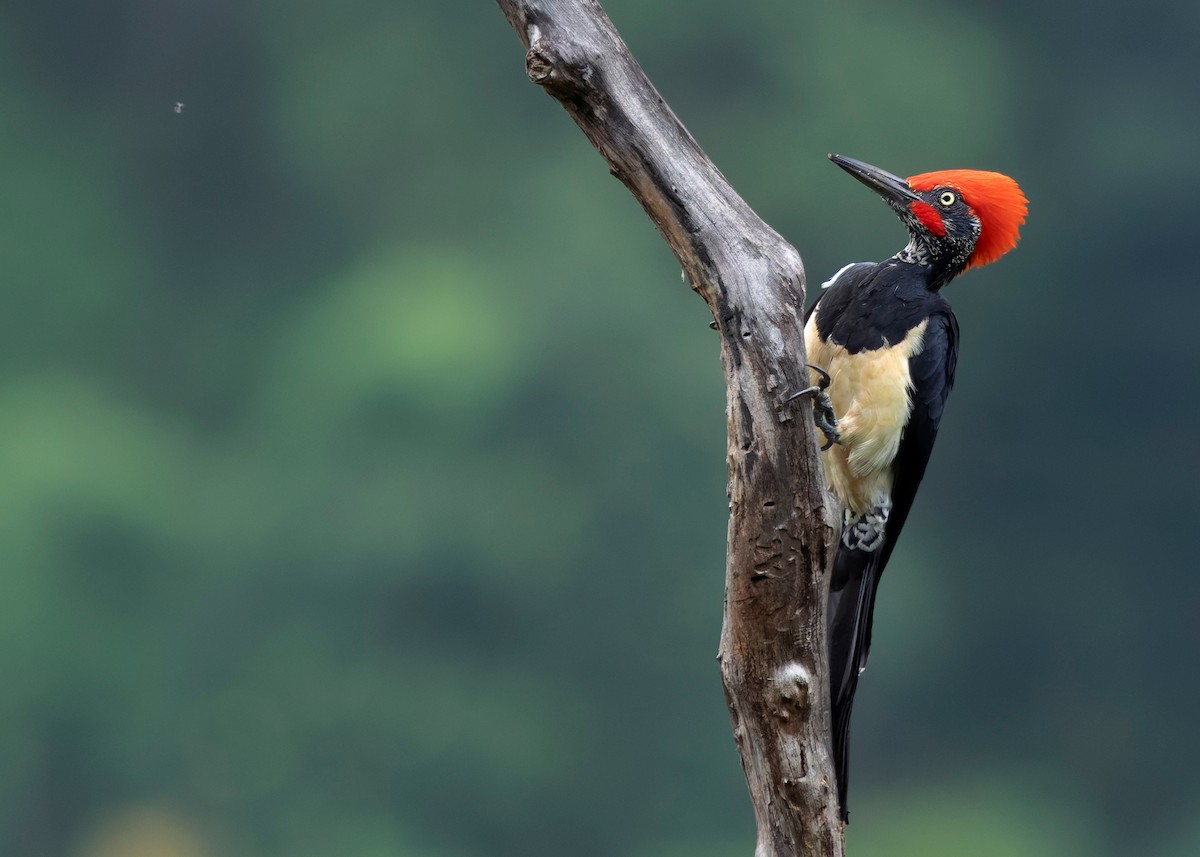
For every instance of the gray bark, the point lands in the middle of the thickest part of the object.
(772, 650)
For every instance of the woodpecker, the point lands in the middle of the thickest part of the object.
(887, 341)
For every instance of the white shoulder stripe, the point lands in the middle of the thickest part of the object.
(834, 278)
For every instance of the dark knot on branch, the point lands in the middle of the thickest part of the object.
(566, 74)
(538, 65)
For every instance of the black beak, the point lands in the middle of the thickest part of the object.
(892, 188)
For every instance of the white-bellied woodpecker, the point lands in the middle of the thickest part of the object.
(889, 342)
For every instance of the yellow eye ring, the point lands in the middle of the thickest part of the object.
(946, 199)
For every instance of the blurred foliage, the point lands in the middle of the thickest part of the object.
(362, 456)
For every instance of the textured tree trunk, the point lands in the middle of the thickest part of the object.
(772, 652)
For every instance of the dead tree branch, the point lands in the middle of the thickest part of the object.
(772, 651)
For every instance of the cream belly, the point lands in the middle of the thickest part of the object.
(871, 396)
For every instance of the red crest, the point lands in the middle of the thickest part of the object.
(996, 200)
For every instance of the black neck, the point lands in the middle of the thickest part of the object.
(939, 262)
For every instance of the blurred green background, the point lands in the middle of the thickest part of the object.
(362, 456)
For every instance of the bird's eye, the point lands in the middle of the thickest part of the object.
(947, 198)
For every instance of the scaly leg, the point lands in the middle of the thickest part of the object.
(823, 415)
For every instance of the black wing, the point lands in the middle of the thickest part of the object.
(842, 284)
(932, 374)
(871, 305)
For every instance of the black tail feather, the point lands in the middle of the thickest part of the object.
(851, 603)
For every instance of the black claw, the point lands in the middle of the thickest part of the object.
(823, 415)
(794, 396)
(825, 379)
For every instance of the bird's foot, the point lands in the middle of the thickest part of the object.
(866, 531)
(823, 415)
